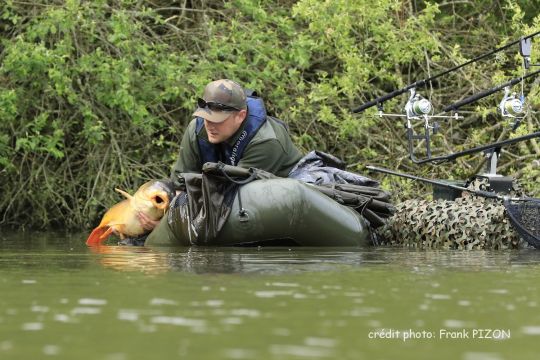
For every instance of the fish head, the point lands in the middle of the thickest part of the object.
(159, 193)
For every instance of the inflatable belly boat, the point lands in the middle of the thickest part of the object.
(268, 211)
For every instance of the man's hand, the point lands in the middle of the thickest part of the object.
(146, 222)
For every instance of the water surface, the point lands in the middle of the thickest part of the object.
(60, 300)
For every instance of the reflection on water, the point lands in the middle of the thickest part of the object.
(60, 299)
(292, 260)
(264, 260)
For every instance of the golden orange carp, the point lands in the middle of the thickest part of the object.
(152, 199)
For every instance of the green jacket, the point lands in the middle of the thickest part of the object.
(271, 149)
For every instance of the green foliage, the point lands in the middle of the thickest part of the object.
(96, 94)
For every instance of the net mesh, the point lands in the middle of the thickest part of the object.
(525, 217)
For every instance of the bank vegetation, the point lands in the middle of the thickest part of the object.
(96, 94)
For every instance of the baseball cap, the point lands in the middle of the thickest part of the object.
(220, 99)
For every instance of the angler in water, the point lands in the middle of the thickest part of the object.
(152, 199)
(231, 127)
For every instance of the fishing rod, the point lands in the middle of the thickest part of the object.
(486, 194)
(420, 109)
(453, 156)
(525, 46)
(513, 108)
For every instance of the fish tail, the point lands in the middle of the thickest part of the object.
(98, 235)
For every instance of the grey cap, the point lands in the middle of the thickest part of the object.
(224, 92)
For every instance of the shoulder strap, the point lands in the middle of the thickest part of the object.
(251, 93)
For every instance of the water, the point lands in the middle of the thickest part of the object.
(60, 300)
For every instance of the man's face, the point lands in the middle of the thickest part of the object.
(220, 132)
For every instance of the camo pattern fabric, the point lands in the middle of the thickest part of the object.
(469, 222)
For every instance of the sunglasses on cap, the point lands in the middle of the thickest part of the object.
(215, 106)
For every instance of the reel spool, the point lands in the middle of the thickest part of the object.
(417, 105)
(512, 107)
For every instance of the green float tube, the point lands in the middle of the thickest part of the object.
(274, 209)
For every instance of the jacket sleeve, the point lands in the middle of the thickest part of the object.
(266, 155)
(188, 160)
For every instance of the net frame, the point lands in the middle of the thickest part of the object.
(525, 217)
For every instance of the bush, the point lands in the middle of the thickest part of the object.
(96, 95)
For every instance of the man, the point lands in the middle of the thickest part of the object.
(232, 128)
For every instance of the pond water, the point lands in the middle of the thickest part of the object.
(59, 299)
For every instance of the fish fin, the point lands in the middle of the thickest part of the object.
(98, 235)
(128, 196)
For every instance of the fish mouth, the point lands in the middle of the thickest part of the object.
(161, 201)
(163, 197)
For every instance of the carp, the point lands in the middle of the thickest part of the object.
(152, 199)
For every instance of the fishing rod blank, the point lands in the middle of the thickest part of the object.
(395, 93)
(388, 96)
(488, 92)
(453, 156)
(487, 194)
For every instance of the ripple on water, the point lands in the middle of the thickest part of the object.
(301, 351)
(458, 324)
(439, 296)
(281, 332)
(85, 310)
(92, 302)
(51, 350)
(239, 354)
(64, 318)
(178, 321)
(232, 321)
(127, 315)
(481, 356)
(246, 312)
(214, 303)
(272, 293)
(281, 284)
(530, 330)
(33, 326)
(116, 356)
(364, 311)
(160, 301)
(324, 342)
(499, 291)
(6, 345)
(39, 309)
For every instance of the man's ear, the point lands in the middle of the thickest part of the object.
(242, 114)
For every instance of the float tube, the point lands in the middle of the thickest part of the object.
(269, 211)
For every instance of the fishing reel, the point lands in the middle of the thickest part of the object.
(512, 107)
(420, 108)
(417, 106)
